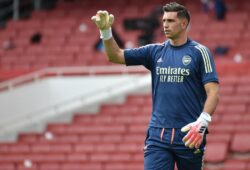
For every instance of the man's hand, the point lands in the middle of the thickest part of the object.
(103, 20)
(196, 130)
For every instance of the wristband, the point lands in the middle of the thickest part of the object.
(106, 34)
(206, 116)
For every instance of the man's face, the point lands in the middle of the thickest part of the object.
(172, 25)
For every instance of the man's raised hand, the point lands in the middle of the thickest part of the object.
(103, 20)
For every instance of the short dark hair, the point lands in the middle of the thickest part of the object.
(181, 10)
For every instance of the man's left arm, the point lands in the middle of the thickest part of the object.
(212, 90)
(197, 129)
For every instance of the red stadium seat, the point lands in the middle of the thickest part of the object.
(235, 165)
(51, 148)
(232, 118)
(240, 142)
(49, 166)
(219, 137)
(7, 166)
(80, 165)
(216, 152)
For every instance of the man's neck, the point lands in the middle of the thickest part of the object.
(179, 42)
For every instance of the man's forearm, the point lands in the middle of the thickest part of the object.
(113, 51)
(212, 100)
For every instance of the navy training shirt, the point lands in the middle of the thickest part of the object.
(178, 74)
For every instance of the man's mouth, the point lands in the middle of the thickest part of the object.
(166, 31)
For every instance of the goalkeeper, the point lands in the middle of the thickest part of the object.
(184, 90)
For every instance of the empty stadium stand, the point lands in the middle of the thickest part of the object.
(63, 43)
(113, 138)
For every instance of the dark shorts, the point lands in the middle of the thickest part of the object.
(164, 150)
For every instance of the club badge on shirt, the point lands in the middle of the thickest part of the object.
(186, 60)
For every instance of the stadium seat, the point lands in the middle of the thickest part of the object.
(80, 165)
(227, 90)
(51, 148)
(7, 166)
(232, 118)
(235, 165)
(29, 137)
(49, 166)
(139, 100)
(226, 128)
(235, 99)
(219, 137)
(216, 152)
(240, 142)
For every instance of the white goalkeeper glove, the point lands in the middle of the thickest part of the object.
(196, 131)
(104, 21)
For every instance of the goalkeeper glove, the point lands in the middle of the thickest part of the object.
(196, 131)
(104, 21)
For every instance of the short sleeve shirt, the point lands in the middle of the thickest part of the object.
(178, 74)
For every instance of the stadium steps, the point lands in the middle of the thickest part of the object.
(113, 139)
(110, 140)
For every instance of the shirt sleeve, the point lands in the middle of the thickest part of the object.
(139, 56)
(207, 65)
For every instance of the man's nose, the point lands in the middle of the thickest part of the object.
(165, 25)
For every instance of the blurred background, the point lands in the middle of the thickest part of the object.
(63, 106)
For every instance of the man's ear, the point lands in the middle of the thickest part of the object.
(184, 23)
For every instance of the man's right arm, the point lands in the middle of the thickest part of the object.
(104, 21)
(114, 52)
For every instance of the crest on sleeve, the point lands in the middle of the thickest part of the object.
(186, 59)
